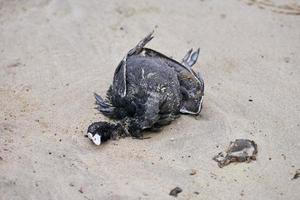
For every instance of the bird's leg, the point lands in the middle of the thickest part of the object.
(190, 58)
(139, 47)
(187, 56)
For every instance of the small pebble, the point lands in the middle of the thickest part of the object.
(145, 194)
(287, 59)
(174, 192)
(297, 174)
(193, 172)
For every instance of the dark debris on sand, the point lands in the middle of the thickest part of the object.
(296, 175)
(241, 150)
(174, 192)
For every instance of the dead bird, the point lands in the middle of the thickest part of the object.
(149, 90)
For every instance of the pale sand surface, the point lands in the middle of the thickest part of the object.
(55, 53)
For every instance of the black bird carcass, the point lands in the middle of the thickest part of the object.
(149, 90)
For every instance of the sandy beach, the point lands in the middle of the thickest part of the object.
(55, 53)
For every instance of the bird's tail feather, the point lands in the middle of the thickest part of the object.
(104, 107)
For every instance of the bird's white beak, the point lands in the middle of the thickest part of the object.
(96, 138)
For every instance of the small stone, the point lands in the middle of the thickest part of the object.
(80, 190)
(193, 172)
(297, 174)
(287, 59)
(223, 16)
(174, 192)
(242, 193)
(145, 194)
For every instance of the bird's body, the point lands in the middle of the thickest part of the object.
(153, 94)
(149, 90)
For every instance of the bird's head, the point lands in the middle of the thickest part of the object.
(99, 132)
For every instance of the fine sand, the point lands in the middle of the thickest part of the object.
(55, 53)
